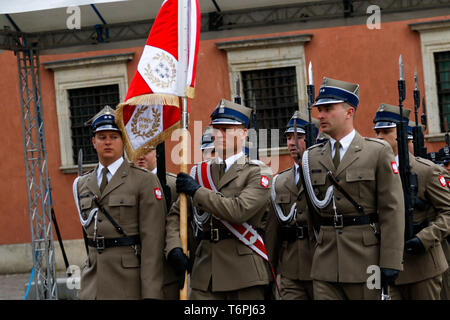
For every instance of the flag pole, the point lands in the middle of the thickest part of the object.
(183, 197)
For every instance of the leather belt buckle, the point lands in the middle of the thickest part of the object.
(100, 244)
(338, 221)
(215, 235)
(300, 233)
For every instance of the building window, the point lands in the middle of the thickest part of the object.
(82, 87)
(272, 72)
(435, 47)
(442, 61)
(274, 93)
(84, 103)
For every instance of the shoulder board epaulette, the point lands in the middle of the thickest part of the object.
(256, 162)
(285, 170)
(171, 174)
(382, 142)
(425, 161)
(132, 165)
(317, 145)
(88, 172)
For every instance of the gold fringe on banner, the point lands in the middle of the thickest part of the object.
(190, 92)
(147, 99)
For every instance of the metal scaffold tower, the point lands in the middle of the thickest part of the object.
(38, 183)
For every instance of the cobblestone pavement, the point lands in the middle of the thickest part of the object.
(12, 286)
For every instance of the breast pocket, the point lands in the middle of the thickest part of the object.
(124, 207)
(283, 200)
(85, 206)
(318, 180)
(361, 182)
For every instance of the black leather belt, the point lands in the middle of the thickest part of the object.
(100, 243)
(341, 221)
(215, 235)
(293, 233)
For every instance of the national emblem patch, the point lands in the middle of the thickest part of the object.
(394, 167)
(264, 181)
(158, 193)
(442, 181)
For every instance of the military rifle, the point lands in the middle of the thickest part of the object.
(447, 135)
(423, 117)
(309, 141)
(255, 126)
(238, 100)
(161, 172)
(309, 128)
(419, 142)
(409, 179)
(80, 173)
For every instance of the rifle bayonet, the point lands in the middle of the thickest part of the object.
(80, 162)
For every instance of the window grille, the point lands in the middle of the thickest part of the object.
(442, 62)
(84, 103)
(274, 91)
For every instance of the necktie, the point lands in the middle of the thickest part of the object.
(299, 182)
(104, 179)
(337, 154)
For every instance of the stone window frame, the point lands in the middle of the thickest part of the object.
(434, 37)
(265, 53)
(81, 73)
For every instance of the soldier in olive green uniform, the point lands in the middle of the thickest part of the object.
(365, 227)
(224, 267)
(424, 259)
(444, 157)
(122, 210)
(289, 235)
(171, 280)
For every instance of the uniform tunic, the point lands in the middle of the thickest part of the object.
(366, 173)
(242, 196)
(292, 259)
(131, 198)
(435, 217)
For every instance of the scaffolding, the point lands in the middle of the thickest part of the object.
(28, 45)
(38, 183)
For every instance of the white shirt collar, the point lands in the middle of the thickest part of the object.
(112, 168)
(231, 160)
(345, 143)
(155, 171)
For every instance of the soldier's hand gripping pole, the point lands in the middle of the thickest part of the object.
(403, 155)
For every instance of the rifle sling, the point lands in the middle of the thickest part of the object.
(107, 215)
(358, 207)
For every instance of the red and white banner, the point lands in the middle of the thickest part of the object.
(165, 72)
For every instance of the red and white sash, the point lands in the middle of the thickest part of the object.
(244, 232)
